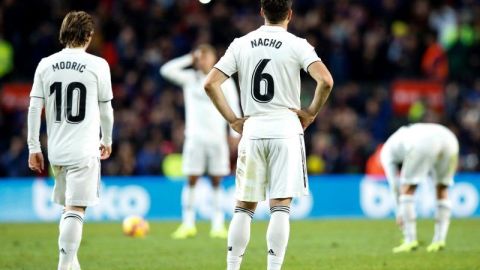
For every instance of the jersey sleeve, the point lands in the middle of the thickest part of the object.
(228, 63)
(105, 92)
(37, 87)
(176, 70)
(307, 54)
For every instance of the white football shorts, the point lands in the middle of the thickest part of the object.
(273, 166)
(439, 160)
(77, 185)
(206, 157)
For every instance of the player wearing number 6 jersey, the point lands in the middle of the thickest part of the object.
(271, 154)
(75, 88)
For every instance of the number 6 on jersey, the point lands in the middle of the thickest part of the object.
(257, 78)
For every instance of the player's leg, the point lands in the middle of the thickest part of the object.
(442, 219)
(218, 217)
(444, 171)
(407, 219)
(415, 168)
(239, 233)
(250, 188)
(71, 227)
(82, 190)
(188, 228)
(278, 232)
(75, 263)
(194, 163)
(288, 179)
(218, 166)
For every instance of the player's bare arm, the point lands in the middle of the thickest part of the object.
(212, 86)
(319, 72)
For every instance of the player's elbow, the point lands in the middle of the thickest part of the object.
(164, 71)
(327, 81)
(209, 85)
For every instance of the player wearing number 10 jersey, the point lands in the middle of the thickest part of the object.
(271, 154)
(75, 88)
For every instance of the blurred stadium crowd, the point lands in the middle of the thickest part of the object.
(366, 45)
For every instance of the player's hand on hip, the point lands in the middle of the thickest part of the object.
(105, 151)
(35, 162)
(237, 124)
(306, 118)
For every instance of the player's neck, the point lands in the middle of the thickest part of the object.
(283, 24)
(76, 48)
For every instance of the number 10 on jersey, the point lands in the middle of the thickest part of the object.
(72, 88)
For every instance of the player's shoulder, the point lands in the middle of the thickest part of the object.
(97, 60)
(47, 61)
(298, 41)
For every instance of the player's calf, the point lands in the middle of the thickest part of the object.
(277, 236)
(71, 226)
(239, 234)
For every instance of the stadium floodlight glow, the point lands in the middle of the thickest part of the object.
(205, 1)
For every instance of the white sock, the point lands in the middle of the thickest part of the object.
(188, 212)
(277, 236)
(238, 237)
(71, 226)
(218, 218)
(408, 214)
(442, 220)
(75, 263)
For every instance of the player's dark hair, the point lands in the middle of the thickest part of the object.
(276, 10)
(76, 29)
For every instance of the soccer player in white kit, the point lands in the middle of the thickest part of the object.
(271, 154)
(75, 88)
(205, 150)
(421, 149)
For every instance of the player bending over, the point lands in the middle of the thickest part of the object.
(271, 154)
(205, 150)
(421, 149)
(76, 90)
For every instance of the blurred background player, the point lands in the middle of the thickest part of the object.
(271, 153)
(75, 88)
(205, 149)
(421, 150)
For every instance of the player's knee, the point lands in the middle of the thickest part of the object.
(247, 205)
(442, 192)
(216, 181)
(75, 208)
(409, 189)
(280, 202)
(192, 180)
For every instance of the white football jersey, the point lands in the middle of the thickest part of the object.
(203, 121)
(268, 61)
(72, 83)
(430, 137)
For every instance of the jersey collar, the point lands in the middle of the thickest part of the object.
(73, 50)
(272, 28)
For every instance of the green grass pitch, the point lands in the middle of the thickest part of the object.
(316, 244)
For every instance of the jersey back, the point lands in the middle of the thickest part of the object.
(72, 83)
(268, 61)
